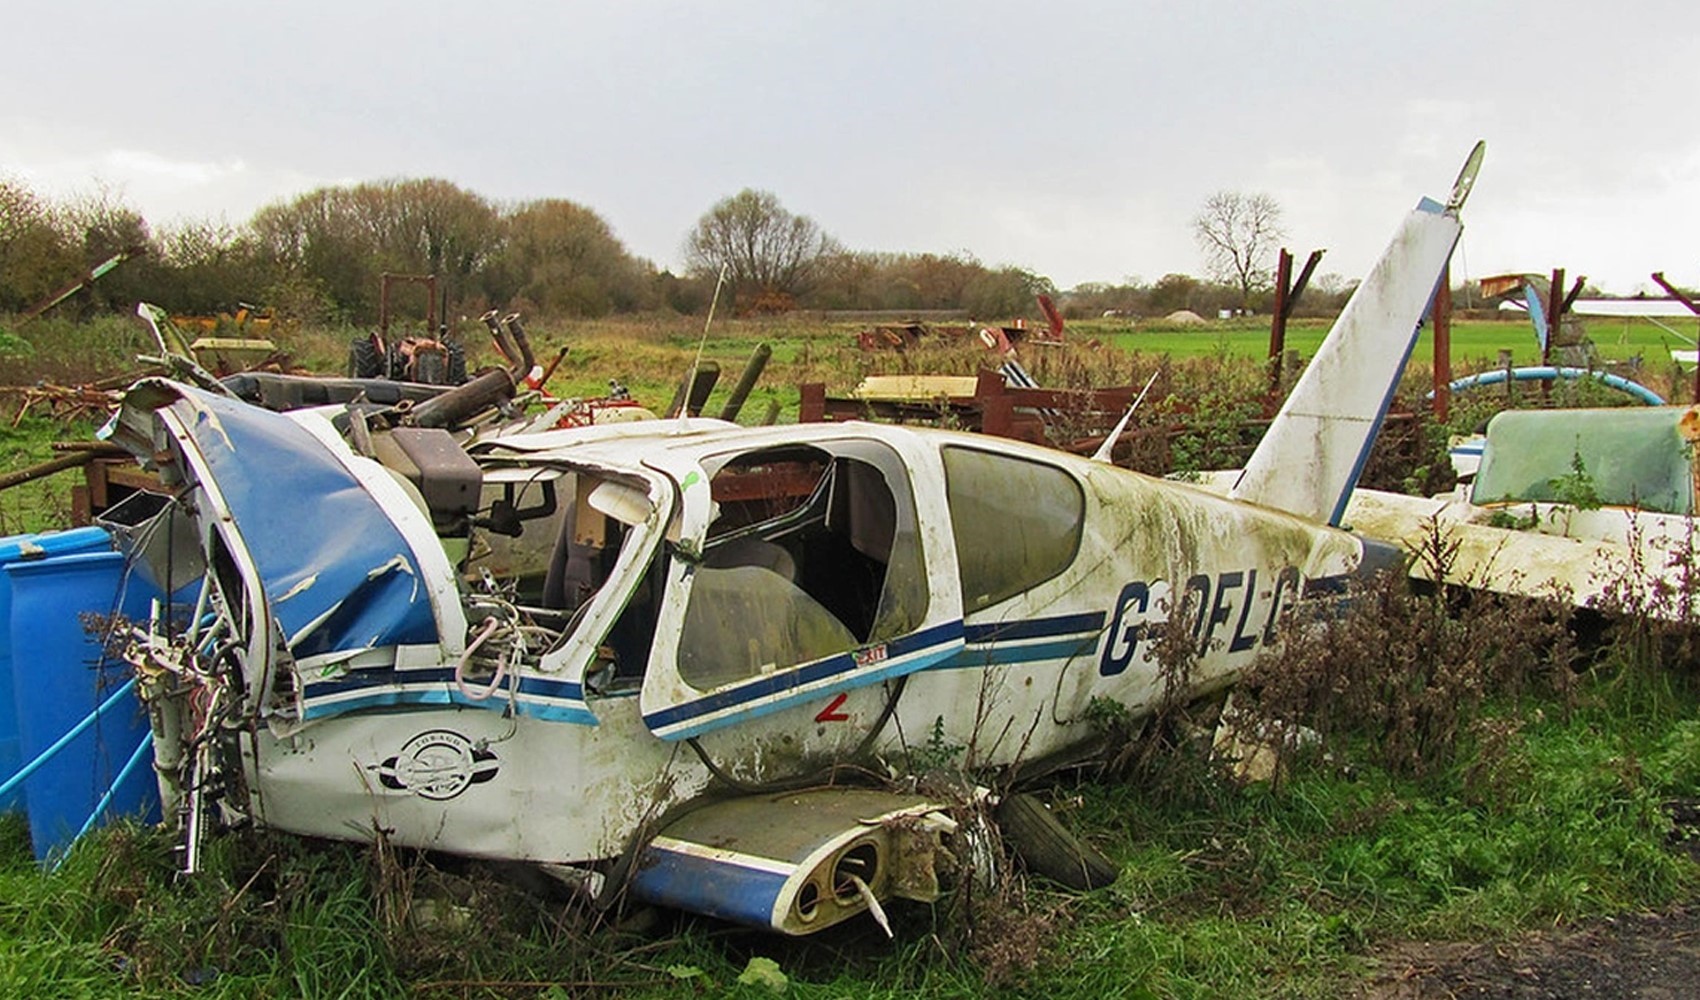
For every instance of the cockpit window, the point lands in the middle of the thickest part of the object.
(813, 552)
(1017, 523)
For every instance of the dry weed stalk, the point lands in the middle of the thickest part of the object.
(1407, 668)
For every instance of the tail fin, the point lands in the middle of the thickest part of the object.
(1311, 457)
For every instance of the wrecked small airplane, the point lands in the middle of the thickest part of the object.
(1594, 506)
(642, 655)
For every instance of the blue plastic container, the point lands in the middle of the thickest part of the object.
(22, 548)
(60, 675)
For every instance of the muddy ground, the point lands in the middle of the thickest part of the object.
(1649, 955)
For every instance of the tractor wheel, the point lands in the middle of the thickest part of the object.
(1047, 849)
(363, 359)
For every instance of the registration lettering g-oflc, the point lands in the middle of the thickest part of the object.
(1138, 607)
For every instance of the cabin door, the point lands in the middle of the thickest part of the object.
(802, 572)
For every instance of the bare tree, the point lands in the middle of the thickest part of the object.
(766, 250)
(1237, 232)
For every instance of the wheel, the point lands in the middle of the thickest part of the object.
(1047, 849)
(363, 359)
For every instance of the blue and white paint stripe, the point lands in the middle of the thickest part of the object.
(770, 693)
(1027, 641)
(358, 690)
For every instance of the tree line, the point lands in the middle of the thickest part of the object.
(317, 257)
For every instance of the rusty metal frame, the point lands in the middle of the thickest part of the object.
(1287, 294)
(1659, 276)
(385, 281)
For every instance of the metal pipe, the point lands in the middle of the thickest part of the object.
(740, 392)
(1546, 373)
(499, 336)
(488, 389)
(526, 361)
(106, 798)
(77, 730)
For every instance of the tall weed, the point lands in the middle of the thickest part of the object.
(1407, 670)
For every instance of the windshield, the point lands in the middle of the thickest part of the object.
(813, 551)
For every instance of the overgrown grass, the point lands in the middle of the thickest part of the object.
(43, 504)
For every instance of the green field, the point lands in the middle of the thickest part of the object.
(1475, 344)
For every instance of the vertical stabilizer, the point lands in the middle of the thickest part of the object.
(1311, 457)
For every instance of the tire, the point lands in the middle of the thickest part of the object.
(1047, 849)
(363, 359)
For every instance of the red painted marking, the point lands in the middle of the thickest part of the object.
(831, 713)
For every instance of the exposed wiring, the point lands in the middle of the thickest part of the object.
(486, 631)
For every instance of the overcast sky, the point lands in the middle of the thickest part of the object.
(1077, 140)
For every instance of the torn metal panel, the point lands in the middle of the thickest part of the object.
(335, 568)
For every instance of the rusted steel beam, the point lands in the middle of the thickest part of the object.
(1443, 345)
(1278, 321)
(1303, 279)
(1287, 292)
(1659, 276)
(811, 402)
(1575, 290)
(1555, 303)
(991, 398)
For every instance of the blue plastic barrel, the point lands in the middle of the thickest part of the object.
(60, 675)
(19, 548)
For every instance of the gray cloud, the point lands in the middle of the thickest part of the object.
(1067, 138)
